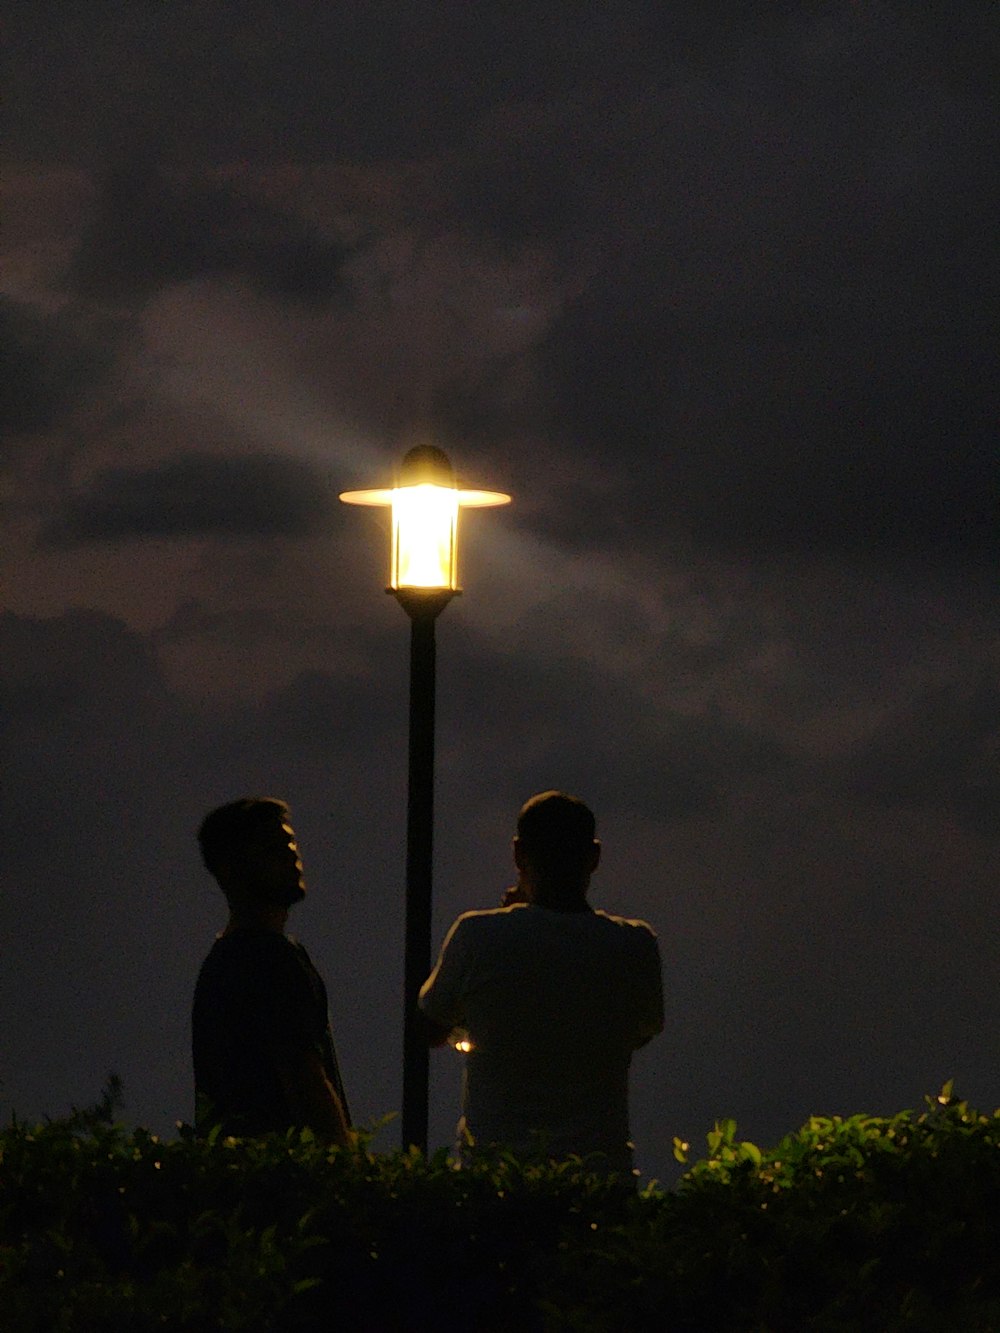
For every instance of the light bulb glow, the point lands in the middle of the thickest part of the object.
(424, 536)
(424, 550)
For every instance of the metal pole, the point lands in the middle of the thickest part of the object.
(423, 610)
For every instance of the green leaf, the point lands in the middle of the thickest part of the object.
(750, 1152)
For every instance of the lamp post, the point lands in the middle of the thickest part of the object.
(423, 577)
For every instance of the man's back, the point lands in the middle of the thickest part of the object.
(554, 1002)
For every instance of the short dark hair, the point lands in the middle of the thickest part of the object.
(226, 831)
(556, 830)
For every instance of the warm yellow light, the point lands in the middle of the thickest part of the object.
(424, 533)
(424, 552)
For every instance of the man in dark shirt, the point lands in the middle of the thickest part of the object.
(264, 1059)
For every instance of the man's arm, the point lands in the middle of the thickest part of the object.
(442, 994)
(290, 1009)
(650, 995)
(434, 1033)
(313, 1098)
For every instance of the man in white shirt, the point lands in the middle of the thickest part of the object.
(554, 998)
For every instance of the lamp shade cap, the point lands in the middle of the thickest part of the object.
(426, 464)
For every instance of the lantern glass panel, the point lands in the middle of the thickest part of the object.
(424, 532)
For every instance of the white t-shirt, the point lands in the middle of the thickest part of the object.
(554, 1004)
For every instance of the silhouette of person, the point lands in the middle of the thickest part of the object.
(264, 1059)
(553, 998)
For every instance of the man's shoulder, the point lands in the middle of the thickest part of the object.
(486, 919)
(247, 941)
(484, 926)
(521, 916)
(630, 927)
(257, 950)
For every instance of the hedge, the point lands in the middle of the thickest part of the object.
(850, 1223)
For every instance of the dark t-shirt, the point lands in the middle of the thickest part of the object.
(258, 1001)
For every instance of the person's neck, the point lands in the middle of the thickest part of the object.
(560, 899)
(243, 917)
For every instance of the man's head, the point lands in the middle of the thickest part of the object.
(249, 846)
(555, 848)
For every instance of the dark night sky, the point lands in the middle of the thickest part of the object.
(712, 290)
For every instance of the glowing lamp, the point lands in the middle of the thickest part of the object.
(425, 505)
(423, 577)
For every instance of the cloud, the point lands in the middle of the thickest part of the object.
(528, 176)
(374, 81)
(261, 495)
(85, 708)
(548, 714)
(850, 433)
(784, 332)
(107, 775)
(52, 363)
(823, 438)
(939, 753)
(153, 229)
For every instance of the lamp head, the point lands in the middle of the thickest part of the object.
(425, 502)
(425, 523)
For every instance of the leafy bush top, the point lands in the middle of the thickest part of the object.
(849, 1223)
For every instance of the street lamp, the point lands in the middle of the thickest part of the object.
(423, 577)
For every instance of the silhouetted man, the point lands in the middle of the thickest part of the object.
(264, 1059)
(554, 998)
